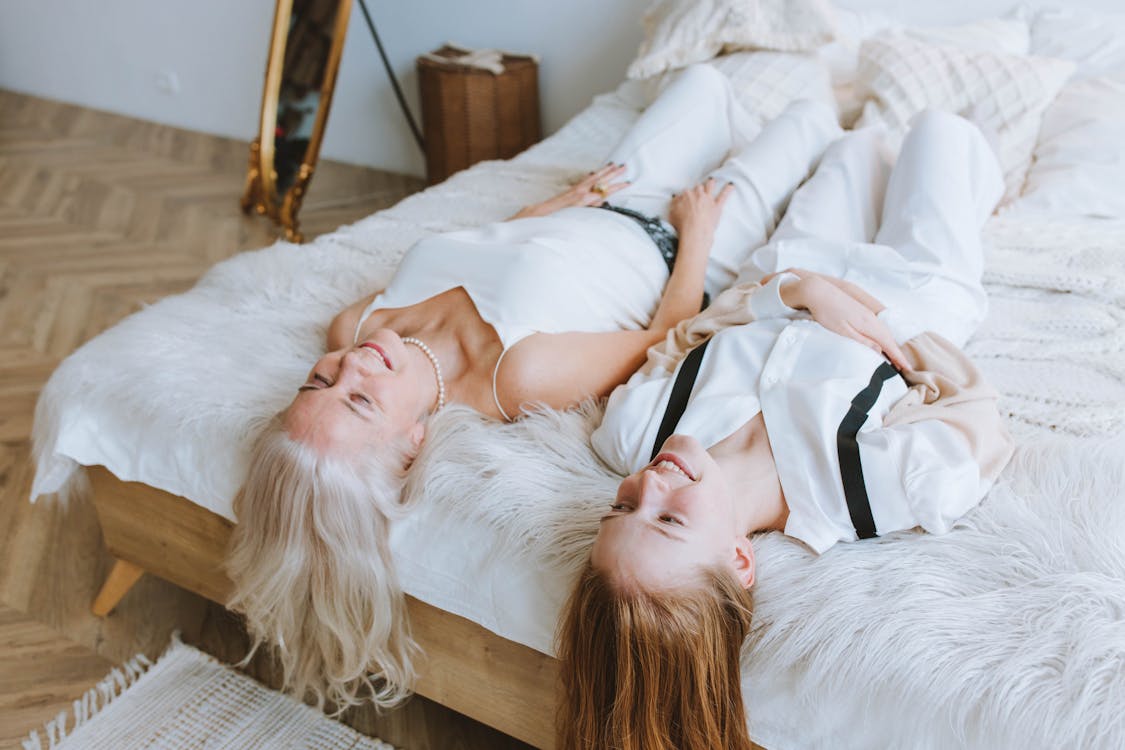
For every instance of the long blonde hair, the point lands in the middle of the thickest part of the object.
(653, 670)
(313, 573)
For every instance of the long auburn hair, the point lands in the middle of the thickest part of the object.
(313, 574)
(653, 670)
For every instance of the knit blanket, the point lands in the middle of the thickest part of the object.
(1007, 632)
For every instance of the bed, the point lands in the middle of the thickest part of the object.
(1007, 632)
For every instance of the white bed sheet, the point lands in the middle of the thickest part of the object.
(846, 645)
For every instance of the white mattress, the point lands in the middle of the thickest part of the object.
(992, 636)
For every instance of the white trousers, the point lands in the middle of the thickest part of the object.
(697, 128)
(910, 234)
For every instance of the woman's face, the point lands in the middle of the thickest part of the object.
(366, 394)
(671, 520)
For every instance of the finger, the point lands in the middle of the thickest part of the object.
(897, 356)
(592, 178)
(590, 199)
(887, 344)
(709, 186)
(608, 170)
(611, 189)
(853, 331)
(869, 342)
(725, 193)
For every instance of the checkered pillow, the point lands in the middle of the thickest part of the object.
(1005, 94)
(681, 32)
(766, 82)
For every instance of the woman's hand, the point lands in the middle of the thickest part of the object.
(843, 308)
(592, 190)
(695, 213)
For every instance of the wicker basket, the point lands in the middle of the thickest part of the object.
(470, 114)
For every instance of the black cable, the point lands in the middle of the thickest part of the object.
(394, 81)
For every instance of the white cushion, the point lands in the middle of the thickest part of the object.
(1005, 94)
(1008, 35)
(766, 82)
(682, 32)
(1079, 166)
(1094, 40)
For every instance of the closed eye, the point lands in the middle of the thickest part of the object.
(315, 383)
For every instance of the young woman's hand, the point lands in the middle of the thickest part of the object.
(592, 190)
(843, 308)
(695, 213)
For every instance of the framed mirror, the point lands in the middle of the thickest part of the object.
(305, 49)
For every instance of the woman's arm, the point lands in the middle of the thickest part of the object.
(694, 214)
(562, 369)
(341, 331)
(845, 309)
(592, 190)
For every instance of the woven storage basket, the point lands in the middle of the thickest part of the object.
(470, 114)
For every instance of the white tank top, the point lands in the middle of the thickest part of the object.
(579, 269)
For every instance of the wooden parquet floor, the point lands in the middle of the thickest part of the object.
(41, 673)
(100, 215)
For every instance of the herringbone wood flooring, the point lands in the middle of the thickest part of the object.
(100, 214)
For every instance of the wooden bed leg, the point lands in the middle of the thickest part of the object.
(121, 578)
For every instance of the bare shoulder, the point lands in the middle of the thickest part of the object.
(342, 329)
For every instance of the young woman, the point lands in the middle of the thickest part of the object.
(788, 416)
(553, 306)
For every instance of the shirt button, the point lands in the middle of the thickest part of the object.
(769, 380)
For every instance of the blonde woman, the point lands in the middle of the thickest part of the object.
(553, 306)
(832, 404)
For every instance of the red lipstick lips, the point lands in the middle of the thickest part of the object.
(378, 350)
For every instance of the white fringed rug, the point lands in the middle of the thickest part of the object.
(188, 699)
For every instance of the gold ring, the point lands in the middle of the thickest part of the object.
(600, 189)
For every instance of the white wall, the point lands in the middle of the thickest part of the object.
(939, 12)
(110, 54)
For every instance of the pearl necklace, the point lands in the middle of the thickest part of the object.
(437, 367)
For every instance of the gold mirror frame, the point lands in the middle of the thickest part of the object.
(260, 193)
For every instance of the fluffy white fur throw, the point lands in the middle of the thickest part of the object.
(1007, 632)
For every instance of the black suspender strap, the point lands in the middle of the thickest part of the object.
(678, 401)
(851, 469)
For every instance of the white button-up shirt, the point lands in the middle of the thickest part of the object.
(803, 378)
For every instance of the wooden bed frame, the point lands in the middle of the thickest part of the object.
(473, 671)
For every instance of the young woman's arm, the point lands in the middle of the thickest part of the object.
(843, 308)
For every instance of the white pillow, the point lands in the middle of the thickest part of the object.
(1095, 41)
(1011, 36)
(1008, 35)
(766, 82)
(1079, 166)
(1005, 94)
(682, 32)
